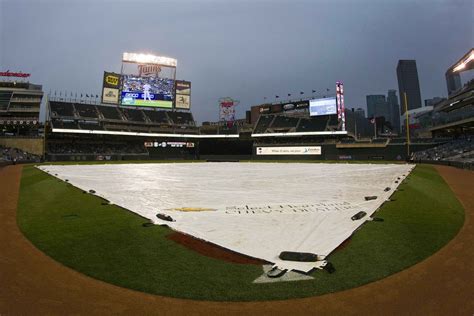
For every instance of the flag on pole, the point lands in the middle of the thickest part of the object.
(277, 96)
(289, 94)
(301, 92)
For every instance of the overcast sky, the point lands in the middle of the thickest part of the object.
(246, 50)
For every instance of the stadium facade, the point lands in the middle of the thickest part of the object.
(20, 127)
(138, 123)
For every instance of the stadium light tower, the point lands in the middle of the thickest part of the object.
(461, 65)
(453, 78)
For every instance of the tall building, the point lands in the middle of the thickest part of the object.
(376, 106)
(433, 101)
(394, 108)
(453, 81)
(408, 83)
(360, 112)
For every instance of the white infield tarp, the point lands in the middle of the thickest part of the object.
(257, 209)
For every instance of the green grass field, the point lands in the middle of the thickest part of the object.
(108, 243)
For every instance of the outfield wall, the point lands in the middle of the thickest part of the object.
(331, 152)
(95, 157)
(246, 149)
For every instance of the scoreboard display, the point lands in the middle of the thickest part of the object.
(323, 106)
(151, 91)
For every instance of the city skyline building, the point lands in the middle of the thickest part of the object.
(394, 109)
(376, 105)
(407, 75)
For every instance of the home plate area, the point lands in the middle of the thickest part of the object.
(292, 215)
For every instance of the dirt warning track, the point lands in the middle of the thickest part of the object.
(33, 283)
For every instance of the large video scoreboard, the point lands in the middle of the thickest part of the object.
(147, 80)
(147, 91)
(323, 106)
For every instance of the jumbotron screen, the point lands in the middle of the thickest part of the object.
(324, 106)
(147, 91)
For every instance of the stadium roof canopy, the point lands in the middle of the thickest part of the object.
(465, 63)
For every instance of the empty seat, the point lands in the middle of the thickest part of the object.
(314, 124)
(109, 112)
(133, 115)
(263, 123)
(86, 110)
(157, 116)
(61, 109)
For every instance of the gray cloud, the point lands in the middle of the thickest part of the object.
(243, 49)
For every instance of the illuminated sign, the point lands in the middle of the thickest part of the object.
(149, 59)
(112, 80)
(110, 95)
(227, 109)
(110, 88)
(323, 106)
(170, 144)
(14, 74)
(183, 87)
(182, 101)
(183, 94)
(340, 104)
(148, 70)
(289, 150)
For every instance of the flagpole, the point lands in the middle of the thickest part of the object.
(407, 125)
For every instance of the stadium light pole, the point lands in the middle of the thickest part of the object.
(407, 126)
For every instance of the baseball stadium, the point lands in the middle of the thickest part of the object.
(122, 203)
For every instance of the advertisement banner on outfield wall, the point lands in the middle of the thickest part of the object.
(289, 150)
